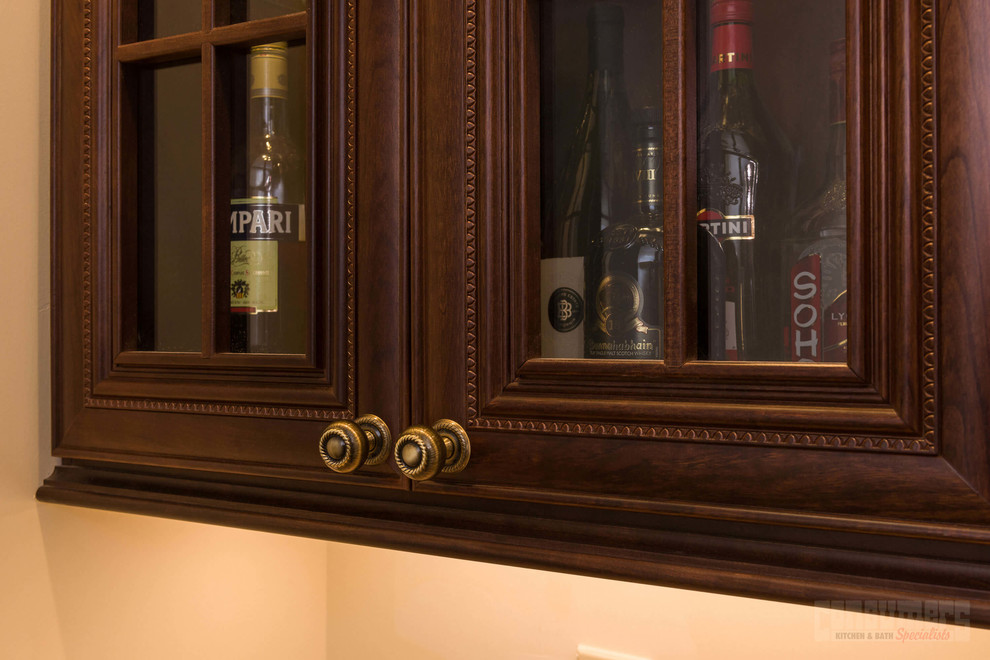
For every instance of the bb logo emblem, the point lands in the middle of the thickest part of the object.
(565, 309)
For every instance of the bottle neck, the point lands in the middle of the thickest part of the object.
(732, 47)
(605, 46)
(268, 116)
(835, 158)
(649, 173)
(731, 65)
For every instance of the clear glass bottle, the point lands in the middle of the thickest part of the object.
(818, 319)
(745, 188)
(268, 249)
(625, 270)
(595, 189)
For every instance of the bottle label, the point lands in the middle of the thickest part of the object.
(732, 47)
(256, 229)
(819, 316)
(728, 185)
(728, 227)
(648, 176)
(619, 329)
(562, 302)
(806, 304)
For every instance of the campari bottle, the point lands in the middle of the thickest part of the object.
(268, 254)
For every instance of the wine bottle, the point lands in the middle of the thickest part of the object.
(745, 187)
(626, 270)
(268, 254)
(818, 320)
(595, 189)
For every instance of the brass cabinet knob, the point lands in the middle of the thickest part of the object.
(345, 445)
(422, 452)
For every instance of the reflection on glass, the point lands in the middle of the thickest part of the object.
(763, 259)
(163, 18)
(269, 250)
(601, 256)
(169, 208)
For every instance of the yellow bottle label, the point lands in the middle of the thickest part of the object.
(257, 227)
(253, 276)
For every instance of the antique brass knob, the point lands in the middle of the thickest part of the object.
(422, 452)
(345, 445)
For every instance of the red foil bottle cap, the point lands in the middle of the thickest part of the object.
(732, 11)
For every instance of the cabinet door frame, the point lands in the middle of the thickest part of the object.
(215, 410)
(870, 459)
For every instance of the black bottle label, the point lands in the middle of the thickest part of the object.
(627, 298)
(565, 309)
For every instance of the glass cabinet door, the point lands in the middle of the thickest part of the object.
(246, 135)
(208, 195)
(770, 222)
(231, 173)
(659, 221)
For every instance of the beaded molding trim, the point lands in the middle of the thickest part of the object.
(926, 444)
(87, 257)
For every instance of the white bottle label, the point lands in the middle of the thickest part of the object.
(562, 306)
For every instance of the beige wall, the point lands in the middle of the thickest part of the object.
(78, 584)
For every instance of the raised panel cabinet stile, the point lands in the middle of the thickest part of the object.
(800, 482)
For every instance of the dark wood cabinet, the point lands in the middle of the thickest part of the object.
(866, 481)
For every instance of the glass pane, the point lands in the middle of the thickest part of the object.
(251, 10)
(602, 226)
(163, 18)
(772, 180)
(269, 239)
(169, 198)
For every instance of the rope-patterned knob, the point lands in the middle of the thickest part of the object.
(345, 445)
(421, 452)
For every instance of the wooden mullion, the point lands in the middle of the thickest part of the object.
(679, 128)
(216, 13)
(213, 172)
(177, 47)
(127, 20)
(288, 27)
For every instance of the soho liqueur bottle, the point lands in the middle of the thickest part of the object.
(745, 187)
(625, 269)
(597, 187)
(268, 254)
(818, 317)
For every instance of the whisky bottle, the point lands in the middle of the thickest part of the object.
(268, 253)
(745, 187)
(595, 189)
(625, 269)
(818, 319)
